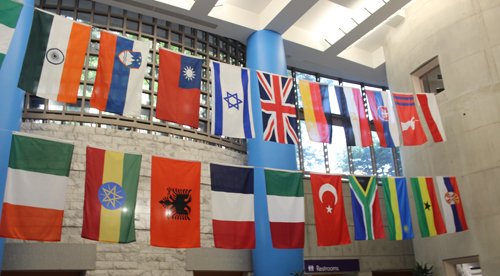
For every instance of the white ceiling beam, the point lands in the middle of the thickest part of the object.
(203, 8)
(287, 16)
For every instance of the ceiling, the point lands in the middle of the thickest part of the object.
(341, 38)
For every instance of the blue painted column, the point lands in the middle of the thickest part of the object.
(265, 52)
(11, 103)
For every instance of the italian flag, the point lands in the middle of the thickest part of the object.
(9, 14)
(285, 200)
(54, 57)
(37, 178)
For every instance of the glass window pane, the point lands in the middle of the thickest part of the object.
(314, 159)
(362, 160)
(55, 105)
(176, 37)
(176, 26)
(189, 42)
(161, 32)
(36, 102)
(132, 14)
(116, 22)
(203, 112)
(202, 126)
(83, 17)
(96, 33)
(302, 76)
(147, 18)
(334, 105)
(116, 10)
(148, 29)
(88, 90)
(85, 4)
(337, 152)
(93, 60)
(383, 157)
(201, 34)
(89, 109)
(201, 46)
(132, 25)
(91, 75)
(132, 36)
(74, 107)
(146, 99)
(145, 113)
(101, 7)
(68, 3)
(100, 19)
(212, 51)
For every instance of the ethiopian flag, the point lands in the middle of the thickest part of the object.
(110, 193)
(9, 15)
(429, 215)
(53, 62)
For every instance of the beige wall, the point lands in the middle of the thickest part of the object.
(465, 35)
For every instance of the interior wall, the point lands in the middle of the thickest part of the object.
(465, 36)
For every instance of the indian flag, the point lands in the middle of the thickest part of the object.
(9, 14)
(54, 57)
(285, 200)
(429, 215)
(110, 194)
(37, 178)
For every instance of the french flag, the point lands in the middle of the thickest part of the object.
(451, 201)
(233, 206)
(384, 118)
(120, 74)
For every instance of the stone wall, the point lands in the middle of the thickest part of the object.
(465, 36)
(136, 258)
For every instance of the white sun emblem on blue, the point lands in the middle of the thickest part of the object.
(189, 73)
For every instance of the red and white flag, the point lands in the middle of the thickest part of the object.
(329, 211)
(431, 113)
(413, 133)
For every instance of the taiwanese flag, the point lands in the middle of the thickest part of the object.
(179, 88)
(233, 207)
(451, 201)
(110, 195)
(317, 115)
(175, 203)
(120, 74)
(384, 118)
(413, 133)
(329, 211)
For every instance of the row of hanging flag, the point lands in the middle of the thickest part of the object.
(56, 53)
(39, 168)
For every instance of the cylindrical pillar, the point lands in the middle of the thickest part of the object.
(265, 52)
(11, 105)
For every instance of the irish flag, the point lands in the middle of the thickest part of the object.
(54, 57)
(9, 14)
(110, 193)
(37, 178)
(285, 200)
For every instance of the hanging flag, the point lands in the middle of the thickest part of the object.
(232, 106)
(179, 84)
(111, 182)
(384, 118)
(175, 203)
(451, 201)
(54, 58)
(35, 189)
(285, 200)
(232, 207)
(317, 112)
(120, 74)
(429, 215)
(366, 208)
(413, 133)
(352, 111)
(9, 11)
(431, 113)
(277, 99)
(398, 208)
(329, 212)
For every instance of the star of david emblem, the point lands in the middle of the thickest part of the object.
(111, 195)
(232, 103)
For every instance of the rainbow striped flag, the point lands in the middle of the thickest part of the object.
(110, 193)
(429, 215)
(398, 208)
(316, 110)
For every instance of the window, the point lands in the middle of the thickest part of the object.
(428, 78)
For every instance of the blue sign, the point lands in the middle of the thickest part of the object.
(111, 195)
(329, 266)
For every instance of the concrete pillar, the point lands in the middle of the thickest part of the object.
(265, 52)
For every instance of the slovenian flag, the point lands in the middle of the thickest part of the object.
(411, 127)
(316, 110)
(37, 178)
(432, 117)
(384, 118)
(451, 201)
(232, 107)
(179, 83)
(233, 206)
(285, 201)
(111, 183)
(54, 58)
(10, 11)
(120, 74)
(352, 110)
(429, 215)
(398, 208)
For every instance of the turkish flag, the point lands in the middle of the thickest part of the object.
(175, 203)
(329, 212)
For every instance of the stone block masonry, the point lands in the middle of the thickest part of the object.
(137, 258)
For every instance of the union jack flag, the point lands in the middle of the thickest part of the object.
(278, 108)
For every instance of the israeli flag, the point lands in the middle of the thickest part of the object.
(232, 109)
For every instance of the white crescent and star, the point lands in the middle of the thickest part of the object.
(328, 188)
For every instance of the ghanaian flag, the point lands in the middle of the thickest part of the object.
(110, 194)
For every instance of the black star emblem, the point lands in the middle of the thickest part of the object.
(427, 206)
(228, 100)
